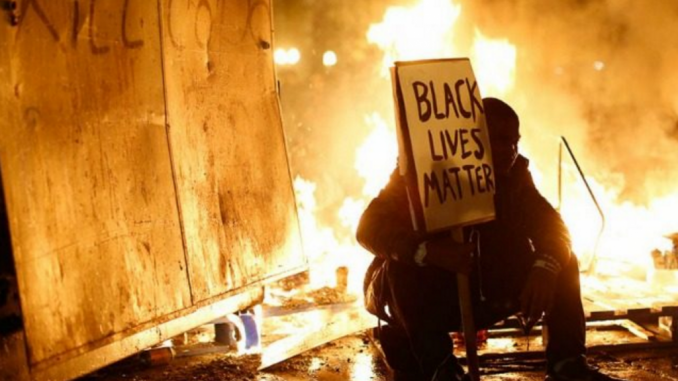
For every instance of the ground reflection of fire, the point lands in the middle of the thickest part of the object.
(427, 29)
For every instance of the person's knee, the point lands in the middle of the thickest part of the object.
(422, 297)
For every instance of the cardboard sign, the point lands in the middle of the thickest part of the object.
(443, 141)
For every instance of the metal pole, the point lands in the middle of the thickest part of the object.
(467, 321)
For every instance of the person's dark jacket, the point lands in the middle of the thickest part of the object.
(525, 223)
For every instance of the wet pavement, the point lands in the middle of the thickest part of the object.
(331, 329)
(354, 357)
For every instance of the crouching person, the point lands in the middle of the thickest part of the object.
(524, 265)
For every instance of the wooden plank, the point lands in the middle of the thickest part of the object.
(594, 311)
(621, 306)
(606, 334)
(669, 310)
(319, 330)
(637, 330)
(227, 142)
(624, 297)
(86, 170)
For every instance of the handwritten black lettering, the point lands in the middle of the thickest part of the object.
(434, 156)
(447, 188)
(479, 153)
(462, 110)
(469, 172)
(465, 153)
(487, 174)
(135, 44)
(480, 185)
(76, 23)
(421, 95)
(447, 143)
(455, 172)
(475, 102)
(92, 43)
(35, 5)
(452, 102)
(449, 100)
(434, 100)
(431, 184)
(445, 185)
(452, 143)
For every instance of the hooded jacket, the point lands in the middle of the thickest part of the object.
(526, 227)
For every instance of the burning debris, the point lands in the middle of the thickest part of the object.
(667, 259)
(301, 296)
(555, 92)
(559, 87)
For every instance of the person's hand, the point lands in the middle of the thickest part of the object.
(450, 255)
(537, 296)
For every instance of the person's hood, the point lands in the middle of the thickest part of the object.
(517, 176)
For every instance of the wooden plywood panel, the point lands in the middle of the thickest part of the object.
(86, 169)
(227, 141)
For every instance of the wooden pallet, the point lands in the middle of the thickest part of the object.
(621, 313)
(620, 298)
(308, 328)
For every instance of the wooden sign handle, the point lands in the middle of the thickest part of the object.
(468, 324)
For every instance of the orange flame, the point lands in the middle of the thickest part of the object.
(427, 30)
(405, 33)
(418, 32)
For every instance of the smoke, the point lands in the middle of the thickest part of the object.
(601, 73)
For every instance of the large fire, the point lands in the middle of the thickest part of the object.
(428, 30)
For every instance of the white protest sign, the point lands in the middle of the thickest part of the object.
(444, 145)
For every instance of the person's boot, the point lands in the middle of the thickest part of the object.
(576, 369)
(399, 357)
(450, 370)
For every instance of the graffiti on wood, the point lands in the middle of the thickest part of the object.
(52, 23)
